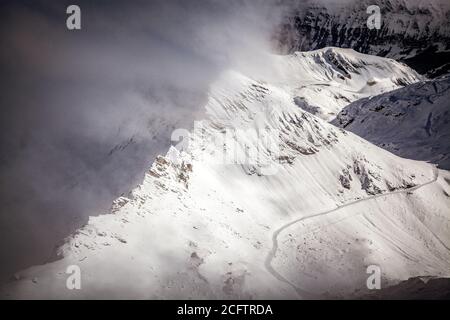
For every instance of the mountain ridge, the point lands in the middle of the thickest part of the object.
(199, 227)
(410, 31)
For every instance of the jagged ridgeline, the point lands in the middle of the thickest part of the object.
(415, 32)
(198, 228)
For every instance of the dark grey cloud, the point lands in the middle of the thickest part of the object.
(84, 113)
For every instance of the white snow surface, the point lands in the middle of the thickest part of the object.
(331, 205)
(412, 122)
(324, 81)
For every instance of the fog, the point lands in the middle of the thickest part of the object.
(85, 112)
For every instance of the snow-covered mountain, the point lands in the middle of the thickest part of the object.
(302, 218)
(323, 81)
(412, 31)
(412, 122)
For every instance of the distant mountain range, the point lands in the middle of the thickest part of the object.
(416, 32)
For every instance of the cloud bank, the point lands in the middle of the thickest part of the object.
(84, 113)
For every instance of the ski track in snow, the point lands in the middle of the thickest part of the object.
(272, 253)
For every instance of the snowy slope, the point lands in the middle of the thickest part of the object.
(412, 122)
(305, 217)
(324, 81)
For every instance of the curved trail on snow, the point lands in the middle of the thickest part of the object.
(272, 253)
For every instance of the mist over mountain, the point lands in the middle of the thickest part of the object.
(301, 220)
(84, 113)
(349, 127)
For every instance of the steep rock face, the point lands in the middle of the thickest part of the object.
(253, 206)
(411, 31)
(412, 122)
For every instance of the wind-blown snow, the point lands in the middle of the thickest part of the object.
(198, 228)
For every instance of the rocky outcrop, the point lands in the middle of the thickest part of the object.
(411, 32)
